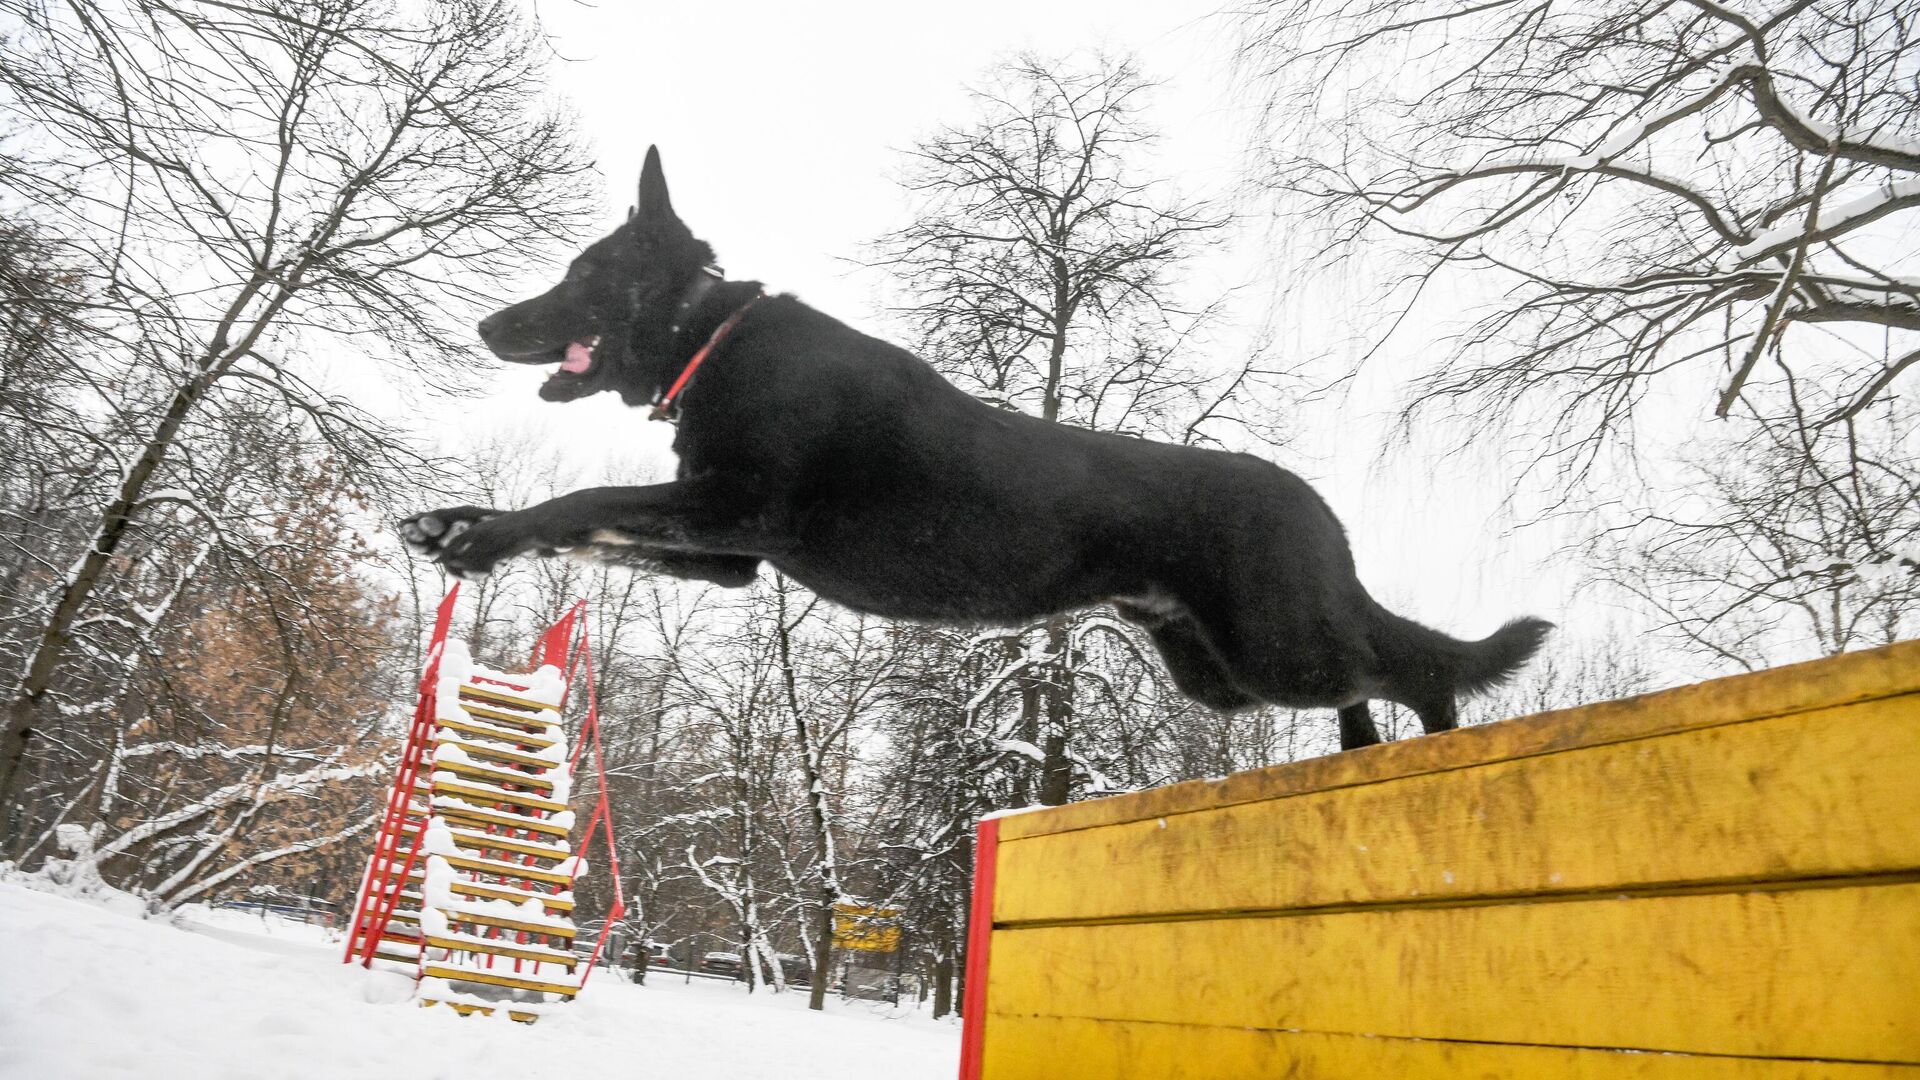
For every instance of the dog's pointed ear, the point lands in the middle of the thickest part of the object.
(654, 204)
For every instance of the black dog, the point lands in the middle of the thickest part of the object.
(854, 468)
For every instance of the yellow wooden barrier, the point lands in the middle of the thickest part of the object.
(1719, 881)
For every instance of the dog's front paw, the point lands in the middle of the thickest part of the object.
(427, 535)
(472, 552)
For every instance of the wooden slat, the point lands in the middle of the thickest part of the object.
(542, 784)
(505, 948)
(1826, 973)
(517, 982)
(488, 731)
(1053, 1048)
(465, 1009)
(488, 797)
(1835, 681)
(554, 904)
(505, 697)
(502, 716)
(565, 934)
(498, 753)
(474, 815)
(495, 868)
(489, 842)
(1825, 793)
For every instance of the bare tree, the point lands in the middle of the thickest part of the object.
(1785, 540)
(1660, 198)
(1042, 272)
(244, 719)
(246, 186)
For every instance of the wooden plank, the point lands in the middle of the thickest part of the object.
(505, 948)
(494, 868)
(503, 716)
(475, 771)
(554, 904)
(465, 1009)
(494, 752)
(1825, 793)
(1840, 680)
(505, 697)
(488, 731)
(487, 797)
(472, 841)
(1816, 973)
(474, 815)
(558, 933)
(1056, 1048)
(501, 978)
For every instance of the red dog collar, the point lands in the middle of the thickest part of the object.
(662, 408)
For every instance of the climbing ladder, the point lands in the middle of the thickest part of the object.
(470, 886)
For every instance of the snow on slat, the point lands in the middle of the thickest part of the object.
(559, 824)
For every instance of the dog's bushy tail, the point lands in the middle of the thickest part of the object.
(1422, 654)
(1495, 658)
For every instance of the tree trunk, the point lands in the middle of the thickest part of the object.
(822, 958)
(1055, 683)
(25, 702)
(1056, 698)
(942, 986)
(810, 762)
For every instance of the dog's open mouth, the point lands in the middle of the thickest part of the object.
(576, 359)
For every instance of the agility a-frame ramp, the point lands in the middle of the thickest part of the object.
(470, 886)
(1718, 881)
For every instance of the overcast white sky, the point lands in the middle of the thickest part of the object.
(782, 125)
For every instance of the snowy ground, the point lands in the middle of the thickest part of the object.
(90, 993)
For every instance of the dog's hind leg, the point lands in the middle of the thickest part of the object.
(1356, 727)
(1438, 714)
(1196, 668)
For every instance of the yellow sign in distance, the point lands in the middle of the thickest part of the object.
(864, 927)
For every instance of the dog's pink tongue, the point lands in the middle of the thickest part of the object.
(579, 358)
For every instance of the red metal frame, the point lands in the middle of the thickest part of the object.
(380, 889)
(973, 1003)
(602, 813)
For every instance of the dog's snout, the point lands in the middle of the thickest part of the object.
(491, 326)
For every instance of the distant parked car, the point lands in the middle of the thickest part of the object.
(659, 954)
(723, 963)
(796, 970)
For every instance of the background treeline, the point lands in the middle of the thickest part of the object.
(1681, 237)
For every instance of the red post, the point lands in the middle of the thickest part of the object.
(557, 642)
(973, 1003)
